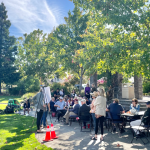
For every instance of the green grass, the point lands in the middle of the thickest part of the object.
(4, 99)
(14, 136)
(3, 106)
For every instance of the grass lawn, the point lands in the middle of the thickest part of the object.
(4, 99)
(3, 106)
(14, 136)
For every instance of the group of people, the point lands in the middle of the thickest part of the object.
(85, 107)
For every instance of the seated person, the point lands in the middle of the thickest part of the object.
(115, 109)
(70, 102)
(135, 105)
(84, 112)
(72, 112)
(26, 106)
(144, 121)
(60, 107)
(52, 103)
(88, 102)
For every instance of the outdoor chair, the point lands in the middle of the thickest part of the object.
(107, 121)
(142, 129)
(89, 121)
(72, 118)
(114, 122)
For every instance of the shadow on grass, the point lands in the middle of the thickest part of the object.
(14, 133)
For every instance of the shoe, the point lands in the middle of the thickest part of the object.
(66, 123)
(114, 130)
(122, 131)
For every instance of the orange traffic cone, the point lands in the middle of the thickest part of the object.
(48, 135)
(53, 134)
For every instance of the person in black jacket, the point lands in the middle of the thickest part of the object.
(26, 106)
(144, 121)
(52, 103)
(84, 112)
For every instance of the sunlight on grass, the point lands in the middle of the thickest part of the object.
(3, 106)
(14, 136)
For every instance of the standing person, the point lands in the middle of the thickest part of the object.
(73, 94)
(62, 92)
(87, 91)
(26, 106)
(100, 112)
(44, 116)
(92, 111)
(39, 103)
(56, 94)
(93, 88)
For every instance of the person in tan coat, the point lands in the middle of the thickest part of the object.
(100, 112)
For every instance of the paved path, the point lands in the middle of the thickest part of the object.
(70, 138)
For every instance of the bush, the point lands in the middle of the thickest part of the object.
(29, 84)
(28, 95)
(54, 86)
(146, 86)
(14, 91)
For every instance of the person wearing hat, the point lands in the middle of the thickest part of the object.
(60, 107)
(92, 111)
(84, 112)
(73, 112)
(144, 121)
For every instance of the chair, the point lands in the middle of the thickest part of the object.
(141, 128)
(107, 121)
(86, 121)
(117, 123)
(72, 118)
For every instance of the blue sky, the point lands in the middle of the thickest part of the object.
(28, 15)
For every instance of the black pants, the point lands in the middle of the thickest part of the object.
(101, 119)
(61, 113)
(39, 116)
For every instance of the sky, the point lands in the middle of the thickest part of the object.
(29, 15)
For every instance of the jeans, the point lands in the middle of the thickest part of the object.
(43, 120)
(94, 119)
(39, 116)
(101, 119)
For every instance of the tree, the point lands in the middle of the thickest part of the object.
(8, 51)
(126, 45)
(36, 55)
(69, 51)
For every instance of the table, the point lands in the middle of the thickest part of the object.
(140, 113)
(131, 117)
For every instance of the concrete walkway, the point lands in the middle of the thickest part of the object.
(70, 138)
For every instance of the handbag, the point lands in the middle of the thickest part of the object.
(53, 114)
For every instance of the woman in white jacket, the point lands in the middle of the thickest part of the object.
(100, 112)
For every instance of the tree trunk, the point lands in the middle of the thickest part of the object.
(93, 79)
(80, 88)
(138, 88)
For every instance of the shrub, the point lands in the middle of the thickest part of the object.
(54, 86)
(28, 95)
(146, 86)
